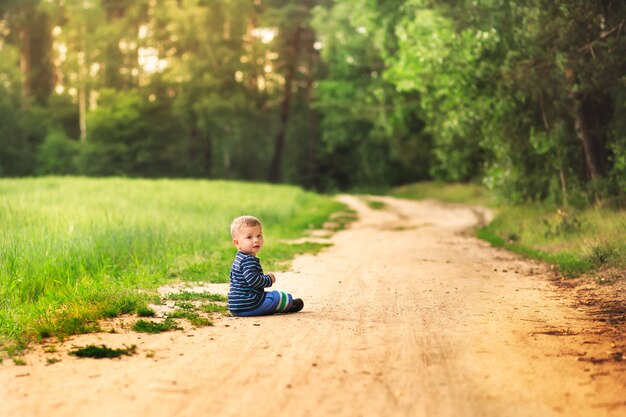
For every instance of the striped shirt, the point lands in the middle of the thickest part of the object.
(247, 282)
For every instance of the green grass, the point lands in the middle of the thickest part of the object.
(19, 361)
(213, 308)
(282, 252)
(100, 352)
(146, 312)
(195, 296)
(576, 241)
(76, 250)
(194, 318)
(186, 309)
(154, 327)
(375, 204)
(465, 193)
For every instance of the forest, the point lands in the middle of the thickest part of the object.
(526, 97)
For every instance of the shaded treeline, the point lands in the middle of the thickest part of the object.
(528, 96)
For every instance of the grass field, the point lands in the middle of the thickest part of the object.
(466, 193)
(74, 250)
(577, 241)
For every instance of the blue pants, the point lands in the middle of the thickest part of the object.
(274, 302)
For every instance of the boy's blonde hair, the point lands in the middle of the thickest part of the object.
(249, 221)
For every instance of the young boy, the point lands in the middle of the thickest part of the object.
(246, 296)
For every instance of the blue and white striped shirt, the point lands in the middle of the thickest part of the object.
(247, 282)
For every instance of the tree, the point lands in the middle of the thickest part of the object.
(121, 118)
(291, 21)
(15, 149)
(77, 23)
(372, 134)
(526, 96)
(559, 90)
(210, 74)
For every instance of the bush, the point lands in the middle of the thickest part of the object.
(57, 155)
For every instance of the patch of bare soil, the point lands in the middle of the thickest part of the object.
(406, 314)
(602, 298)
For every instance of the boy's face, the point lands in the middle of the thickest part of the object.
(249, 239)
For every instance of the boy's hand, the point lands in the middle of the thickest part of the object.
(271, 275)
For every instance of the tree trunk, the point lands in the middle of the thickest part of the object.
(311, 146)
(279, 143)
(310, 165)
(207, 153)
(275, 172)
(587, 141)
(226, 153)
(546, 125)
(589, 130)
(82, 82)
(563, 184)
(25, 64)
(201, 151)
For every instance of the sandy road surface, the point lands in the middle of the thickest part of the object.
(405, 315)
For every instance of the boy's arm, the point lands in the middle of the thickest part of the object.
(254, 276)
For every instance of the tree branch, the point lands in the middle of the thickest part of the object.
(603, 36)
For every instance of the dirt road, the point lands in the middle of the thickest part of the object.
(405, 315)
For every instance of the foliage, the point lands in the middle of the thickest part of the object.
(103, 351)
(112, 147)
(17, 140)
(371, 134)
(443, 67)
(194, 318)
(514, 94)
(527, 97)
(153, 327)
(576, 241)
(58, 155)
(213, 308)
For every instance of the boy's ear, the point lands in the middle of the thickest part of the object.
(235, 242)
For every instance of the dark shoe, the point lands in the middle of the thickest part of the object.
(297, 305)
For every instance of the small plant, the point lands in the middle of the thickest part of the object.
(345, 217)
(186, 305)
(50, 349)
(376, 204)
(195, 296)
(562, 223)
(19, 361)
(102, 351)
(145, 311)
(192, 317)
(199, 321)
(178, 314)
(341, 220)
(52, 361)
(213, 308)
(512, 237)
(145, 326)
(602, 253)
